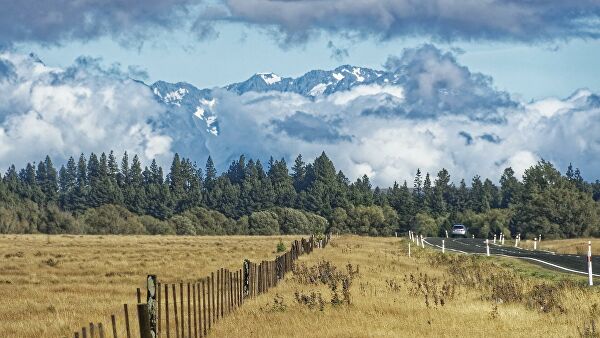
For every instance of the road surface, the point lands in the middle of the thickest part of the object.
(562, 262)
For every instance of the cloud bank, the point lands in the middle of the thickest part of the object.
(447, 20)
(64, 112)
(132, 21)
(57, 21)
(438, 114)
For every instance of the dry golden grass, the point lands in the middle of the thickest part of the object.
(51, 285)
(383, 304)
(95, 275)
(577, 246)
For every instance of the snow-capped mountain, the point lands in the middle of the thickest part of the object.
(193, 105)
(313, 83)
(185, 99)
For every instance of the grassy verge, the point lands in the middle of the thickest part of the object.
(426, 295)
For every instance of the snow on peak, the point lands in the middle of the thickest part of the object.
(338, 76)
(209, 103)
(318, 89)
(356, 71)
(199, 113)
(269, 78)
(175, 96)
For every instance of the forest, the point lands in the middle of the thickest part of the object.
(102, 195)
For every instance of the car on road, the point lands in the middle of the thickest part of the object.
(459, 230)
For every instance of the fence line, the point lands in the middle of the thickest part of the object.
(208, 300)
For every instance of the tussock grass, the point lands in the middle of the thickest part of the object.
(427, 295)
(355, 287)
(50, 285)
(577, 246)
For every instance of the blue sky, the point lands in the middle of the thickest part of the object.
(477, 86)
(533, 70)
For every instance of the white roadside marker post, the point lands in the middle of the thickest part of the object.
(494, 238)
(422, 243)
(487, 247)
(395, 234)
(540, 241)
(446, 233)
(408, 249)
(443, 247)
(534, 243)
(502, 238)
(417, 241)
(590, 263)
(517, 240)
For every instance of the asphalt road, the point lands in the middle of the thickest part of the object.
(562, 262)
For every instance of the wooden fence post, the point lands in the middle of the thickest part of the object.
(167, 324)
(212, 290)
(101, 330)
(144, 321)
(151, 284)
(195, 312)
(175, 311)
(113, 320)
(182, 310)
(189, 308)
(127, 328)
(158, 300)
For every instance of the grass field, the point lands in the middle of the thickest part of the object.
(577, 246)
(51, 285)
(391, 295)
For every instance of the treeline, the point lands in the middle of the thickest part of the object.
(99, 194)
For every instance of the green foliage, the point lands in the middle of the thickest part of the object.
(281, 247)
(94, 194)
(264, 223)
(111, 219)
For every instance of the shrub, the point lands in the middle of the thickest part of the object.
(281, 246)
(183, 225)
(112, 219)
(155, 226)
(263, 223)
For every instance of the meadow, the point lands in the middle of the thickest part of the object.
(51, 285)
(355, 287)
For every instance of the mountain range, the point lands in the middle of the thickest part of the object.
(184, 99)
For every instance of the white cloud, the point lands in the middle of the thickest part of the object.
(392, 147)
(63, 112)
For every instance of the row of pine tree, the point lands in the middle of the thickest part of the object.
(543, 201)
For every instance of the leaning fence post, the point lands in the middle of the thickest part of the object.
(126, 311)
(151, 285)
(144, 321)
(590, 275)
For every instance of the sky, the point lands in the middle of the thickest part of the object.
(532, 70)
(483, 84)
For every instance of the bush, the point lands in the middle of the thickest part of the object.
(155, 226)
(263, 223)
(111, 219)
(292, 221)
(210, 222)
(55, 221)
(280, 246)
(183, 225)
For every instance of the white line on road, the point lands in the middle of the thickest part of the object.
(523, 257)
